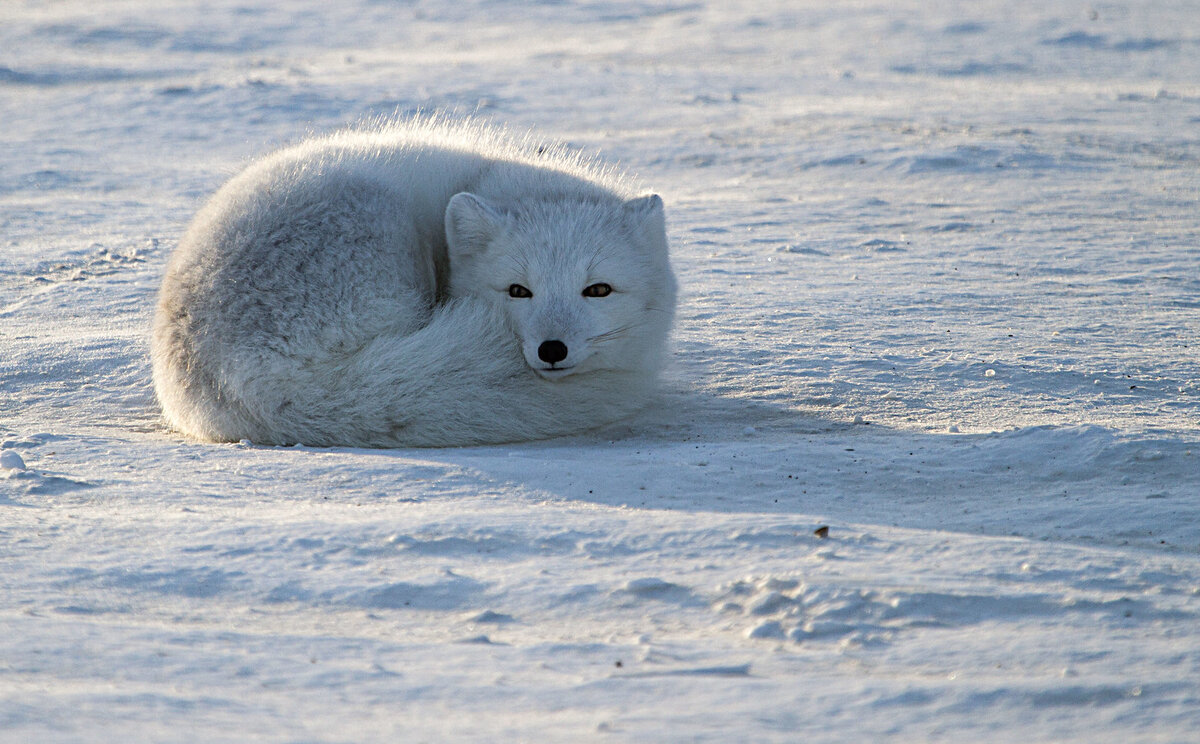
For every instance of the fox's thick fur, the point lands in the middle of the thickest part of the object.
(358, 290)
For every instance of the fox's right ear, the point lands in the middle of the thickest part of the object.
(645, 215)
(471, 223)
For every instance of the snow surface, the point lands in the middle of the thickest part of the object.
(940, 294)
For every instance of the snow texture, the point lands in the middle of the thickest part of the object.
(940, 295)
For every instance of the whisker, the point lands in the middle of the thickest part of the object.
(596, 260)
(615, 333)
(518, 263)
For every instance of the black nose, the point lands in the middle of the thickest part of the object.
(552, 351)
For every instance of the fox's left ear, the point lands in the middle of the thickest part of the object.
(645, 215)
(471, 224)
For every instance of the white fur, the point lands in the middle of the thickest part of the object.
(354, 290)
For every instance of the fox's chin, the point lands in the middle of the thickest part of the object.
(554, 373)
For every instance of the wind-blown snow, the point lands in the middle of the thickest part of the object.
(940, 294)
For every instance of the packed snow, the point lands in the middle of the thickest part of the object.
(926, 466)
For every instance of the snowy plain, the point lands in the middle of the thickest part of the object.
(940, 293)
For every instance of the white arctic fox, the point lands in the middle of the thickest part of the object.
(419, 283)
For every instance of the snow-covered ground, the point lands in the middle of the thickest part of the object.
(940, 294)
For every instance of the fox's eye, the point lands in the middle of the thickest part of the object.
(516, 290)
(597, 290)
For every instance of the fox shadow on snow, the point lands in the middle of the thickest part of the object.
(693, 450)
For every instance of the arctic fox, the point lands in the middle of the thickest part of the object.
(417, 283)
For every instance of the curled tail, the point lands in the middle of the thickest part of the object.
(459, 380)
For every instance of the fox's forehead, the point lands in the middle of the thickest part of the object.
(569, 222)
(568, 242)
(566, 264)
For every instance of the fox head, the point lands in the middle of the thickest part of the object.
(585, 284)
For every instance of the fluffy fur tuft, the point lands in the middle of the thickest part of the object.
(416, 283)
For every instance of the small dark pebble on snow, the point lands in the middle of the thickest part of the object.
(822, 531)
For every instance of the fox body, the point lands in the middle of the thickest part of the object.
(418, 283)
